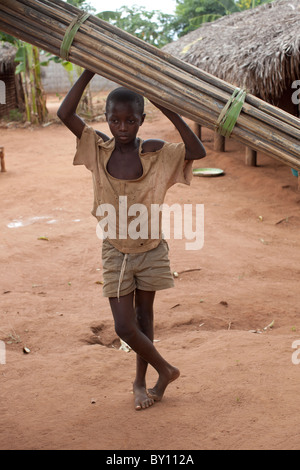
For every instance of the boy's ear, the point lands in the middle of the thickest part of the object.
(143, 119)
(105, 114)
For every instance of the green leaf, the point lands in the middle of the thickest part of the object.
(21, 54)
(20, 68)
(67, 66)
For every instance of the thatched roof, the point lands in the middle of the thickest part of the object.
(257, 49)
(7, 57)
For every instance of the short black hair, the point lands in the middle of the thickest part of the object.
(123, 95)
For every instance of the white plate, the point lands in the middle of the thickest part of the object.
(208, 172)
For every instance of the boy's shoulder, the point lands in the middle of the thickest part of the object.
(152, 145)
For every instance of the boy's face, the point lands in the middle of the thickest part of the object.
(124, 120)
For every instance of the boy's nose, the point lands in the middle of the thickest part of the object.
(123, 126)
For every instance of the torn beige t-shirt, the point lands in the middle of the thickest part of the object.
(161, 170)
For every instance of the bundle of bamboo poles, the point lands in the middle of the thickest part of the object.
(121, 57)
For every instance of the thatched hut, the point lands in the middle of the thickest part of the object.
(10, 83)
(257, 49)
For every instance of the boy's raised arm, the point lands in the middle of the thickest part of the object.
(67, 110)
(194, 147)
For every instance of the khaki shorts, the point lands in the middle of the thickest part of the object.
(122, 274)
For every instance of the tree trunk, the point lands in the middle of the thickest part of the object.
(40, 97)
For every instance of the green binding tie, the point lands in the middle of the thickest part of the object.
(70, 34)
(230, 114)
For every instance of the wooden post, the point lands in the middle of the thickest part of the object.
(2, 161)
(198, 130)
(250, 157)
(219, 142)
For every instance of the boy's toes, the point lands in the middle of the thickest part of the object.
(143, 405)
(142, 401)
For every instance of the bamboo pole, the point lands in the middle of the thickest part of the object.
(127, 60)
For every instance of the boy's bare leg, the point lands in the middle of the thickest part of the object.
(144, 315)
(127, 329)
(144, 310)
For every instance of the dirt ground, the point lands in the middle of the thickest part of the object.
(239, 388)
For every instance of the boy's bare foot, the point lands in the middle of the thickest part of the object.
(157, 392)
(142, 400)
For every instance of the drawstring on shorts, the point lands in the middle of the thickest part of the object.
(123, 268)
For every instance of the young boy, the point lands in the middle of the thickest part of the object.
(133, 268)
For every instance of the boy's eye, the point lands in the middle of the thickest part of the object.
(116, 121)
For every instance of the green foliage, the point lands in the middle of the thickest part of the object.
(154, 27)
(15, 115)
(192, 14)
(21, 57)
(82, 4)
(247, 4)
(7, 38)
(29, 68)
